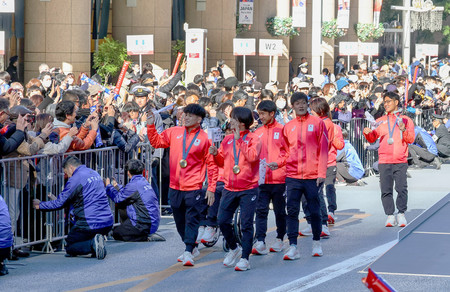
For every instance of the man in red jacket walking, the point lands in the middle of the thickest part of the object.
(395, 132)
(306, 168)
(189, 161)
(273, 150)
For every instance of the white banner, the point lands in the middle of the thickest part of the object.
(244, 47)
(6, 6)
(2, 42)
(140, 44)
(369, 49)
(246, 12)
(348, 49)
(270, 47)
(449, 50)
(298, 13)
(343, 17)
(424, 50)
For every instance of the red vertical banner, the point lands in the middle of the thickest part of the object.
(377, 11)
(121, 76)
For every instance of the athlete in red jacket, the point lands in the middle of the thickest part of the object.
(395, 132)
(239, 156)
(273, 150)
(189, 160)
(306, 168)
(319, 107)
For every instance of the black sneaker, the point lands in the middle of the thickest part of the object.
(99, 246)
(20, 253)
(68, 255)
(3, 269)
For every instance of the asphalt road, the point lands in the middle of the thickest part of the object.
(358, 238)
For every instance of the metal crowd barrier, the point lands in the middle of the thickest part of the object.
(26, 178)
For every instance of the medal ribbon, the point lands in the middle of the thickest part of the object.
(236, 157)
(391, 131)
(185, 152)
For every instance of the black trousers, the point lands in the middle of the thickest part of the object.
(420, 156)
(277, 194)
(80, 241)
(296, 189)
(230, 201)
(211, 217)
(187, 207)
(390, 174)
(4, 253)
(126, 231)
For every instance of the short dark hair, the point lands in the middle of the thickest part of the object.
(135, 167)
(204, 101)
(267, 106)
(71, 95)
(266, 93)
(240, 95)
(130, 106)
(64, 108)
(198, 78)
(298, 96)
(195, 109)
(392, 95)
(4, 104)
(320, 106)
(243, 115)
(71, 160)
(178, 89)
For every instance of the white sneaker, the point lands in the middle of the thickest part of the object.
(208, 235)
(292, 253)
(277, 246)
(260, 248)
(201, 230)
(325, 231)
(232, 256)
(390, 221)
(331, 218)
(307, 231)
(242, 265)
(188, 259)
(195, 253)
(401, 220)
(317, 249)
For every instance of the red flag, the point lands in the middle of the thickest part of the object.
(177, 64)
(121, 76)
(375, 283)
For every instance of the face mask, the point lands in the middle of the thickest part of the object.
(47, 83)
(70, 81)
(281, 103)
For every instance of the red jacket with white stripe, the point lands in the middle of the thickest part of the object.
(307, 141)
(248, 161)
(336, 140)
(273, 149)
(198, 159)
(398, 151)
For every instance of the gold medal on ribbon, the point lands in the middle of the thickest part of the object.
(236, 169)
(183, 163)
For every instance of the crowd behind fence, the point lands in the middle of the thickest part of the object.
(25, 178)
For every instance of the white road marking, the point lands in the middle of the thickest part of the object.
(336, 270)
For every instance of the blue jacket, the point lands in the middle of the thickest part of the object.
(356, 168)
(140, 200)
(6, 235)
(431, 145)
(85, 193)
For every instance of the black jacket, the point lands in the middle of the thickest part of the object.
(12, 143)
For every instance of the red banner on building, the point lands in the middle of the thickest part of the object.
(377, 11)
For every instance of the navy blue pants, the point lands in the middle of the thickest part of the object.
(296, 189)
(331, 197)
(80, 241)
(187, 207)
(277, 194)
(211, 217)
(230, 201)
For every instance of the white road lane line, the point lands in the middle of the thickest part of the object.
(336, 270)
